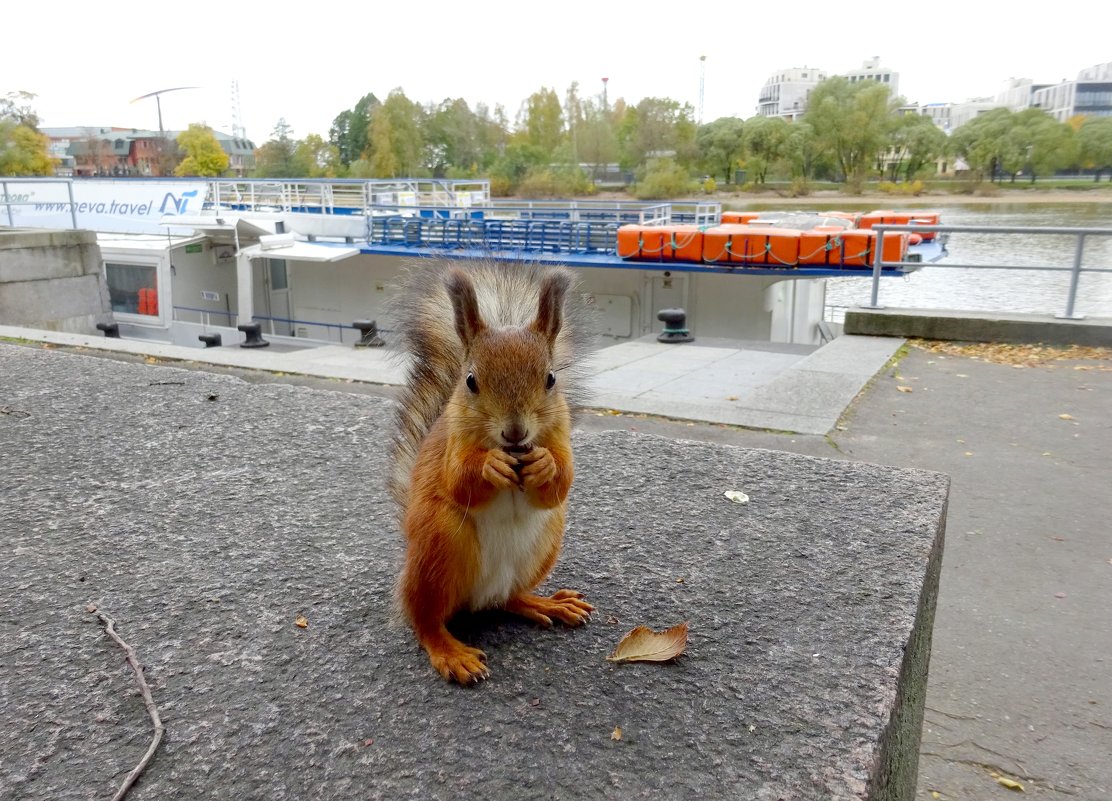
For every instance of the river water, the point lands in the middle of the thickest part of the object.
(1036, 291)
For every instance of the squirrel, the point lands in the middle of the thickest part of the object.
(482, 454)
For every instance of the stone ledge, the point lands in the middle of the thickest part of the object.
(978, 326)
(205, 525)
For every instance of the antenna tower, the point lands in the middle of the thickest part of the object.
(237, 114)
(702, 82)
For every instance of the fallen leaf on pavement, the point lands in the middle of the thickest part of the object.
(616, 734)
(645, 645)
(1011, 784)
(301, 622)
(736, 497)
(903, 389)
(1065, 417)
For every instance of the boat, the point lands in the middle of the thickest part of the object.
(307, 260)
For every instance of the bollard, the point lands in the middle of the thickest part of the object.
(254, 336)
(111, 330)
(368, 334)
(211, 340)
(675, 330)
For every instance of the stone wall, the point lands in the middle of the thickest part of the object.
(52, 280)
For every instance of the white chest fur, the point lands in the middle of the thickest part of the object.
(510, 531)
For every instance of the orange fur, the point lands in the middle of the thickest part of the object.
(467, 493)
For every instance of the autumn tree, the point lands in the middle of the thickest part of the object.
(1094, 139)
(23, 149)
(316, 158)
(541, 122)
(453, 140)
(396, 143)
(596, 139)
(203, 154)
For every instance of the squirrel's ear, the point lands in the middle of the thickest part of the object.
(465, 305)
(550, 311)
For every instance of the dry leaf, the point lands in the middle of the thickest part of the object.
(902, 388)
(935, 794)
(302, 622)
(1065, 417)
(731, 397)
(1011, 784)
(645, 645)
(736, 497)
(616, 734)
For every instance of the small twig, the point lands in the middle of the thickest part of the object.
(144, 690)
(166, 384)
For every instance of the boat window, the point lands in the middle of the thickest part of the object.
(132, 288)
(278, 279)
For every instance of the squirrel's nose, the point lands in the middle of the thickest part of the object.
(515, 435)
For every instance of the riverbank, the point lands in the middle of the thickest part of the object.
(826, 198)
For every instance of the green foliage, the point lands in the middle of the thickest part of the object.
(663, 178)
(764, 142)
(981, 142)
(657, 128)
(720, 144)
(515, 163)
(916, 142)
(541, 122)
(203, 154)
(555, 183)
(710, 186)
(397, 143)
(317, 158)
(1094, 139)
(275, 158)
(350, 130)
(852, 123)
(914, 188)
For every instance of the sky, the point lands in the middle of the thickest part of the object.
(307, 62)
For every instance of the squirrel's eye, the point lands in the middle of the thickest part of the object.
(472, 384)
(551, 382)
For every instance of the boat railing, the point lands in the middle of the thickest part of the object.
(1075, 269)
(493, 235)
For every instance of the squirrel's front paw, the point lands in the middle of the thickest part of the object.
(539, 469)
(498, 469)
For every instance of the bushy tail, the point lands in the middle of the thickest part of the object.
(508, 295)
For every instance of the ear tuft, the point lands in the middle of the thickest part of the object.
(465, 306)
(550, 309)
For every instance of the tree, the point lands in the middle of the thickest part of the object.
(452, 139)
(23, 150)
(852, 122)
(982, 142)
(721, 144)
(657, 127)
(596, 141)
(350, 130)
(764, 139)
(916, 141)
(317, 158)
(542, 121)
(275, 158)
(800, 150)
(396, 146)
(203, 154)
(1094, 139)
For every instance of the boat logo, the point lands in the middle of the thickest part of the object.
(171, 204)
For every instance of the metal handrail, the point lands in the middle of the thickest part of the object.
(1075, 269)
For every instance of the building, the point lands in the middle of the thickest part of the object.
(108, 151)
(1018, 94)
(871, 70)
(785, 94)
(1090, 95)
